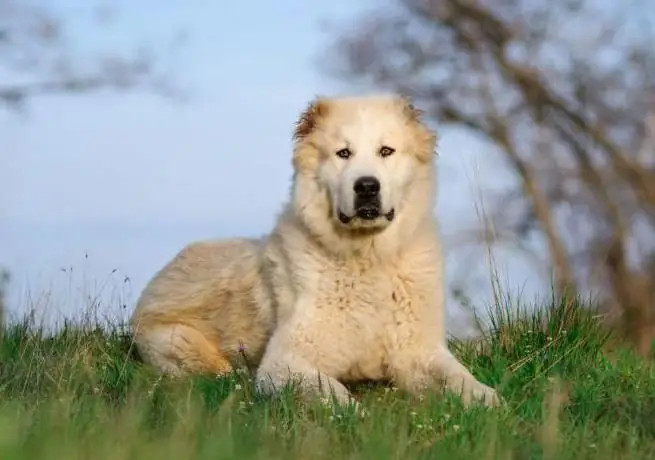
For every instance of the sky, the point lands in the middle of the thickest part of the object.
(104, 189)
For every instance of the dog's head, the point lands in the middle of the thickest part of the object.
(363, 153)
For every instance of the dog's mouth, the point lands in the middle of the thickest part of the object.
(367, 213)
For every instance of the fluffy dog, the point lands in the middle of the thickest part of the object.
(349, 284)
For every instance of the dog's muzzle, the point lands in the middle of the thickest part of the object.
(367, 201)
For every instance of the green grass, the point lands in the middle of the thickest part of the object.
(82, 394)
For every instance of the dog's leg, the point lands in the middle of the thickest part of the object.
(178, 349)
(417, 372)
(282, 365)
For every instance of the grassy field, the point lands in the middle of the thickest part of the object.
(82, 394)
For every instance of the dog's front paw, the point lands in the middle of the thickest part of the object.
(485, 395)
(473, 391)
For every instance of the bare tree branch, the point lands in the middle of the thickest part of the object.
(37, 59)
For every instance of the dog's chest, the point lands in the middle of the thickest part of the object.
(356, 290)
(365, 310)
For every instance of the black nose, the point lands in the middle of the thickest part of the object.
(367, 186)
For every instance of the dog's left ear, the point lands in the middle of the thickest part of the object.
(308, 120)
(425, 135)
(411, 112)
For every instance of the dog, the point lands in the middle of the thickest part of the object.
(349, 284)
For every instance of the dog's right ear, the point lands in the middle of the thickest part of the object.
(316, 110)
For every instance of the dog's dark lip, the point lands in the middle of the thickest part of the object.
(345, 219)
(368, 213)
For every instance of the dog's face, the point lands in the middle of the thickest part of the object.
(364, 152)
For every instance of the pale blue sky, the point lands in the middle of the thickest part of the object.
(130, 179)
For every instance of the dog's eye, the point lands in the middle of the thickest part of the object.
(344, 153)
(386, 151)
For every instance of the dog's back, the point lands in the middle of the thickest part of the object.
(200, 311)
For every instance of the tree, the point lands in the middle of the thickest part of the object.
(564, 91)
(36, 59)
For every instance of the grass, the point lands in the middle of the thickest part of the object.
(82, 394)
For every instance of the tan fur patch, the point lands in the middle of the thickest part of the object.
(308, 120)
(424, 136)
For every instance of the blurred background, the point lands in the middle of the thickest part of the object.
(126, 129)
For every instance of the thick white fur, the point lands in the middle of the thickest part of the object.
(319, 299)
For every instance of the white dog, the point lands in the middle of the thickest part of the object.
(349, 284)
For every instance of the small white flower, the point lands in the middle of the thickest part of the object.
(237, 387)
